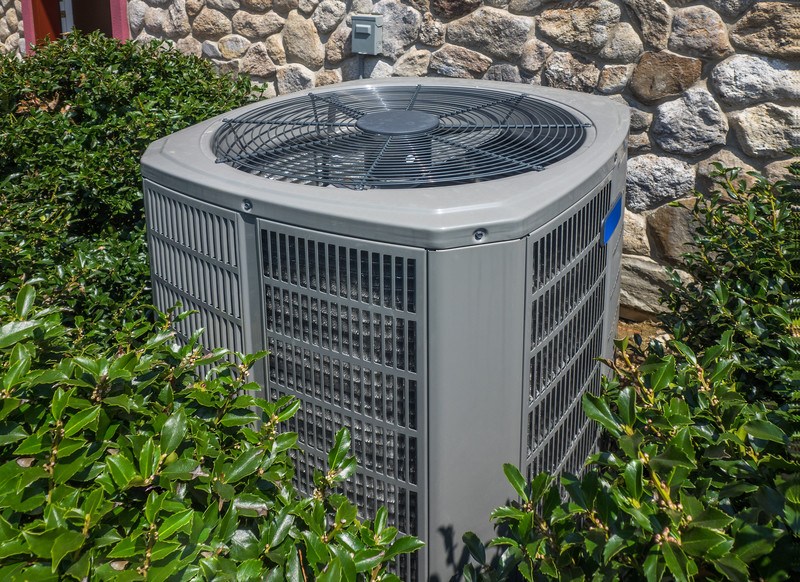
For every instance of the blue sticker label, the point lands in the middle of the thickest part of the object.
(612, 221)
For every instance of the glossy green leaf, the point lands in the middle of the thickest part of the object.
(753, 541)
(475, 547)
(67, 542)
(712, 517)
(341, 446)
(403, 545)
(598, 410)
(634, 478)
(659, 374)
(80, 420)
(15, 331)
(516, 479)
(765, 430)
(11, 432)
(122, 469)
(244, 465)
(180, 522)
(705, 542)
(676, 561)
(367, 559)
(283, 523)
(249, 570)
(25, 300)
(173, 432)
(332, 572)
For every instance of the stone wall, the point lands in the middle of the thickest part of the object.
(10, 26)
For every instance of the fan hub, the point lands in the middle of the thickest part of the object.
(398, 122)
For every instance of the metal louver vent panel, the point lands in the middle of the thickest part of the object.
(195, 261)
(566, 310)
(402, 136)
(342, 319)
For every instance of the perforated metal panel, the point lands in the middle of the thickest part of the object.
(567, 266)
(342, 320)
(195, 260)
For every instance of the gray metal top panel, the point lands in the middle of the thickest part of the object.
(433, 218)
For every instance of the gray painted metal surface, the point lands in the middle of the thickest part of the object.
(446, 353)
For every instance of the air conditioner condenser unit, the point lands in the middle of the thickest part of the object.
(433, 263)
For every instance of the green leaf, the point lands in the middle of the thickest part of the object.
(289, 411)
(346, 561)
(148, 458)
(245, 464)
(341, 446)
(173, 432)
(367, 559)
(654, 565)
(732, 568)
(713, 518)
(126, 548)
(59, 402)
(597, 409)
(346, 513)
(283, 523)
(24, 303)
(659, 374)
(40, 543)
(293, 569)
(516, 479)
(475, 547)
(634, 478)
(626, 404)
(81, 420)
(676, 561)
(613, 546)
(704, 542)
(765, 430)
(249, 570)
(67, 542)
(122, 469)
(382, 516)
(316, 551)
(404, 545)
(672, 457)
(179, 522)
(233, 419)
(753, 541)
(15, 331)
(11, 432)
(180, 469)
(153, 505)
(332, 573)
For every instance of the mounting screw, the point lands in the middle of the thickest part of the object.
(479, 234)
(247, 206)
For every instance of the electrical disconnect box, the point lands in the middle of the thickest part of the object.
(367, 34)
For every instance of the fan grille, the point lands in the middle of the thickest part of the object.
(399, 137)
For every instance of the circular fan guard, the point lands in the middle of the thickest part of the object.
(393, 137)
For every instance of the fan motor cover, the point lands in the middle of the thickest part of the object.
(433, 263)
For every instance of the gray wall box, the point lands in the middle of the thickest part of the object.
(452, 327)
(367, 34)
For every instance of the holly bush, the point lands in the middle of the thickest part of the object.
(701, 475)
(126, 464)
(75, 118)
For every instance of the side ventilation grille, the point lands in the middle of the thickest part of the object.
(195, 261)
(566, 310)
(342, 327)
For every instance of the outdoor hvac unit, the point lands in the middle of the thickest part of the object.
(432, 262)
